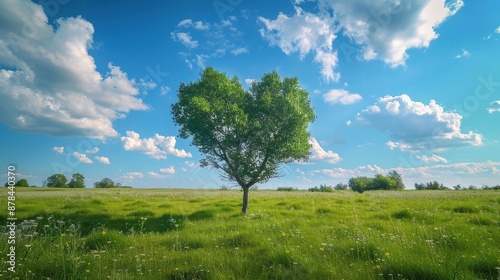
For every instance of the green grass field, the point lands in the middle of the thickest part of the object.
(200, 234)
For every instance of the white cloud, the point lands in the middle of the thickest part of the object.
(238, 51)
(164, 90)
(319, 154)
(497, 31)
(59, 150)
(185, 39)
(190, 164)
(199, 25)
(82, 158)
(304, 33)
(103, 160)
(200, 60)
(388, 29)
(169, 170)
(494, 107)
(432, 158)
(249, 82)
(341, 96)
(92, 151)
(156, 175)
(156, 147)
(189, 64)
(415, 126)
(132, 175)
(185, 23)
(51, 84)
(464, 53)
(218, 39)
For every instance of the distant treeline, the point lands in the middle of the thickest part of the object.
(392, 181)
(77, 181)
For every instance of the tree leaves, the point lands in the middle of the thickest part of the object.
(246, 134)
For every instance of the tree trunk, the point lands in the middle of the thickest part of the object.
(245, 200)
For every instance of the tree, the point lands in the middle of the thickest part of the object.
(22, 183)
(392, 181)
(245, 134)
(397, 180)
(105, 183)
(56, 181)
(77, 181)
(360, 184)
(340, 187)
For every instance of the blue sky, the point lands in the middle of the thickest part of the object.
(86, 86)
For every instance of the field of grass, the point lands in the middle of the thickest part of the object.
(200, 234)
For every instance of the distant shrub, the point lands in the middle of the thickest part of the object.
(433, 186)
(392, 181)
(322, 188)
(340, 187)
(286, 189)
(224, 188)
(497, 187)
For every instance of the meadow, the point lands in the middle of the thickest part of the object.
(201, 234)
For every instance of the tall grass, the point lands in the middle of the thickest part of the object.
(200, 234)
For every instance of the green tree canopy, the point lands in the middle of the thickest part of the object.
(392, 181)
(77, 181)
(105, 183)
(56, 181)
(245, 134)
(22, 183)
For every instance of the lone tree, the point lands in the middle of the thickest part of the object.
(56, 181)
(77, 181)
(245, 134)
(104, 183)
(22, 183)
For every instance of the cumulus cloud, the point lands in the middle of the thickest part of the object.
(156, 175)
(59, 150)
(169, 170)
(103, 160)
(414, 126)
(199, 25)
(494, 107)
(341, 96)
(156, 147)
(48, 80)
(386, 30)
(304, 33)
(319, 154)
(132, 175)
(82, 158)
(190, 164)
(432, 158)
(185, 39)
(92, 151)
